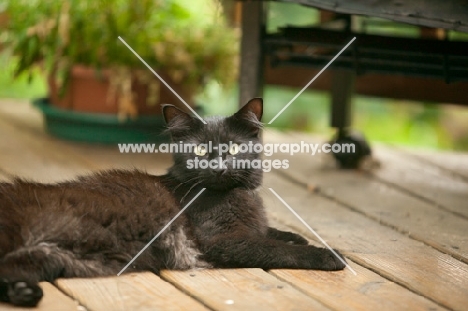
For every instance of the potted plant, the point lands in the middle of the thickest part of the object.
(95, 80)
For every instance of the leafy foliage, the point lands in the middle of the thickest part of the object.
(55, 35)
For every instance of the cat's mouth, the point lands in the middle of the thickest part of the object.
(226, 180)
(220, 180)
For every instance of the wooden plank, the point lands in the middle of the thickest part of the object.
(109, 157)
(29, 153)
(423, 179)
(342, 290)
(413, 217)
(27, 120)
(136, 291)
(25, 156)
(455, 162)
(389, 253)
(241, 289)
(430, 13)
(406, 213)
(373, 84)
(53, 300)
(365, 291)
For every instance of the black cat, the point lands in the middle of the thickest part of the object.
(93, 226)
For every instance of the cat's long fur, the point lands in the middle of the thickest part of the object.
(94, 225)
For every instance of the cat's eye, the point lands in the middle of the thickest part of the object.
(234, 149)
(200, 150)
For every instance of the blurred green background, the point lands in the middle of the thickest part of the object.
(419, 124)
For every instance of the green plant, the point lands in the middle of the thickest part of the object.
(55, 35)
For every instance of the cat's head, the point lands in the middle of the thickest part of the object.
(213, 168)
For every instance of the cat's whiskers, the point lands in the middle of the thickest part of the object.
(242, 178)
(185, 182)
(262, 190)
(195, 184)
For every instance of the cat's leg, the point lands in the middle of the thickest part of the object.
(8, 239)
(288, 237)
(248, 252)
(16, 288)
(21, 271)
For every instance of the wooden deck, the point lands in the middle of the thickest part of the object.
(403, 228)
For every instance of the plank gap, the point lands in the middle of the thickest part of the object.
(363, 245)
(353, 189)
(246, 289)
(407, 233)
(395, 280)
(427, 160)
(355, 259)
(133, 291)
(415, 195)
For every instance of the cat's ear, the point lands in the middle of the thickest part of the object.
(250, 116)
(171, 113)
(254, 106)
(178, 122)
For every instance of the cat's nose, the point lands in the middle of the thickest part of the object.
(220, 171)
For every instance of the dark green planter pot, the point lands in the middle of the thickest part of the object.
(100, 128)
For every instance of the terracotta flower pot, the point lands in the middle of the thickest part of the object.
(88, 91)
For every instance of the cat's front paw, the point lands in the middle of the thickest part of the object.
(296, 239)
(25, 294)
(330, 262)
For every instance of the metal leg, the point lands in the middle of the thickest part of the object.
(251, 69)
(342, 90)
